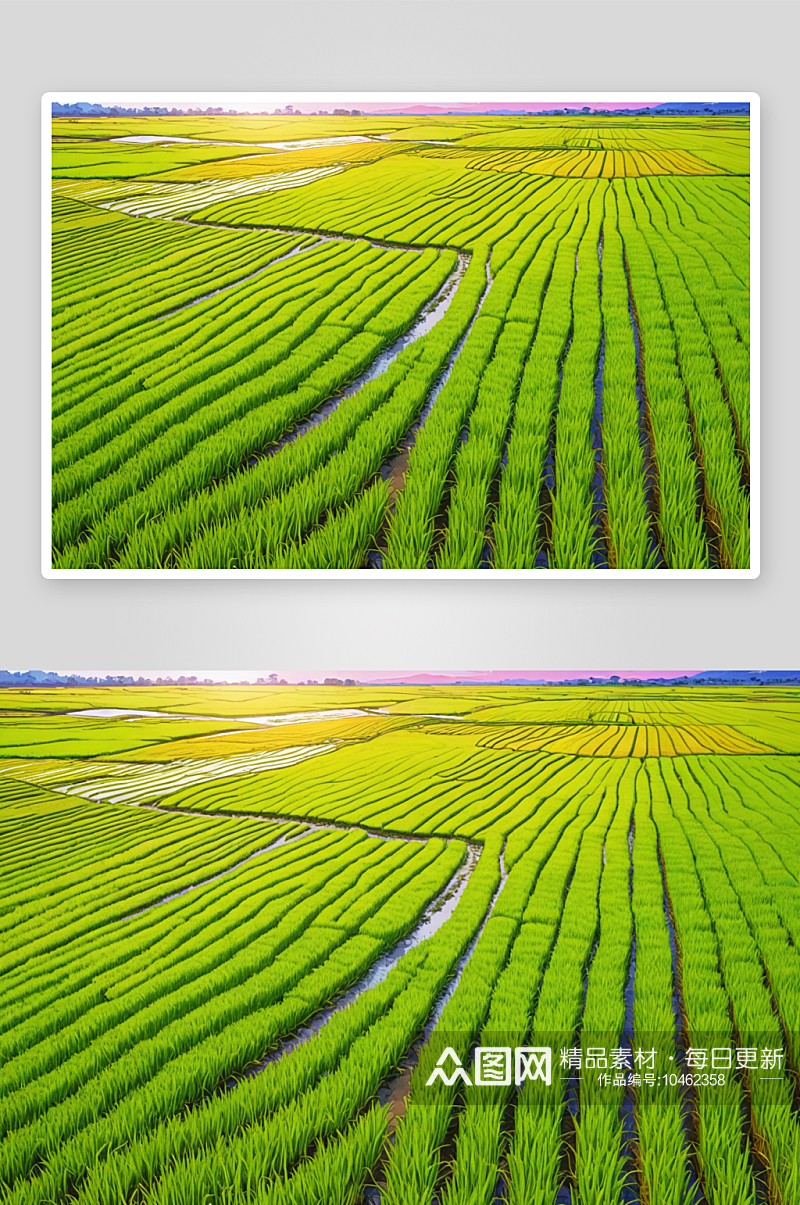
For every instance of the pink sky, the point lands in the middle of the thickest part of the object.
(478, 106)
(410, 105)
(420, 677)
(490, 676)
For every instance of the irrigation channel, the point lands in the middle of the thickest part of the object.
(628, 1104)
(689, 1110)
(268, 721)
(285, 839)
(394, 1090)
(652, 494)
(319, 237)
(384, 834)
(433, 310)
(438, 911)
(394, 467)
(393, 470)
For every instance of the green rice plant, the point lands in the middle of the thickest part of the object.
(338, 1170)
(155, 525)
(256, 1156)
(722, 1158)
(400, 201)
(724, 221)
(524, 922)
(661, 1148)
(535, 1151)
(138, 1154)
(195, 349)
(726, 502)
(128, 993)
(721, 298)
(269, 367)
(75, 978)
(600, 1156)
(344, 540)
(413, 1162)
(165, 389)
(574, 535)
(624, 472)
(198, 1047)
(255, 539)
(128, 363)
(774, 1128)
(516, 292)
(759, 877)
(209, 258)
(174, 861)
(411, 530)
(680, 527)
(555, 194)
(478, 459)
(516, 535)
(436, 346)
(158, 540)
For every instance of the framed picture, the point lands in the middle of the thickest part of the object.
(433, 334)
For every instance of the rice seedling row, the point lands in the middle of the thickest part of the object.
(267, 1031)
(198, 320)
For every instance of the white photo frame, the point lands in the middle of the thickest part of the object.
(272, 100)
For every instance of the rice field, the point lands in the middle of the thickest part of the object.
(490, 343)
(236, 951)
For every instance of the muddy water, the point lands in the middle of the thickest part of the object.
(312, 826)
(393, 470)
(436, 914)
(243, 280)
(301, 144)
(435, 309)
(267, 721)
(395, 1091)
(285, 839)
(649, 467)
(324, 236)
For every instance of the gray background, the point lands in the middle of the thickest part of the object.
(312, 625)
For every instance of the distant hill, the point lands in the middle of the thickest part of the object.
(743, 677)
(85, 108)
(728, 677)
(669, 108)
(706, 678)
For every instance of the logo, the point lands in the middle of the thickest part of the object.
(493, 1066)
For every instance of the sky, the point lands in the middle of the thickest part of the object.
(292, 677)
(379, 103)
